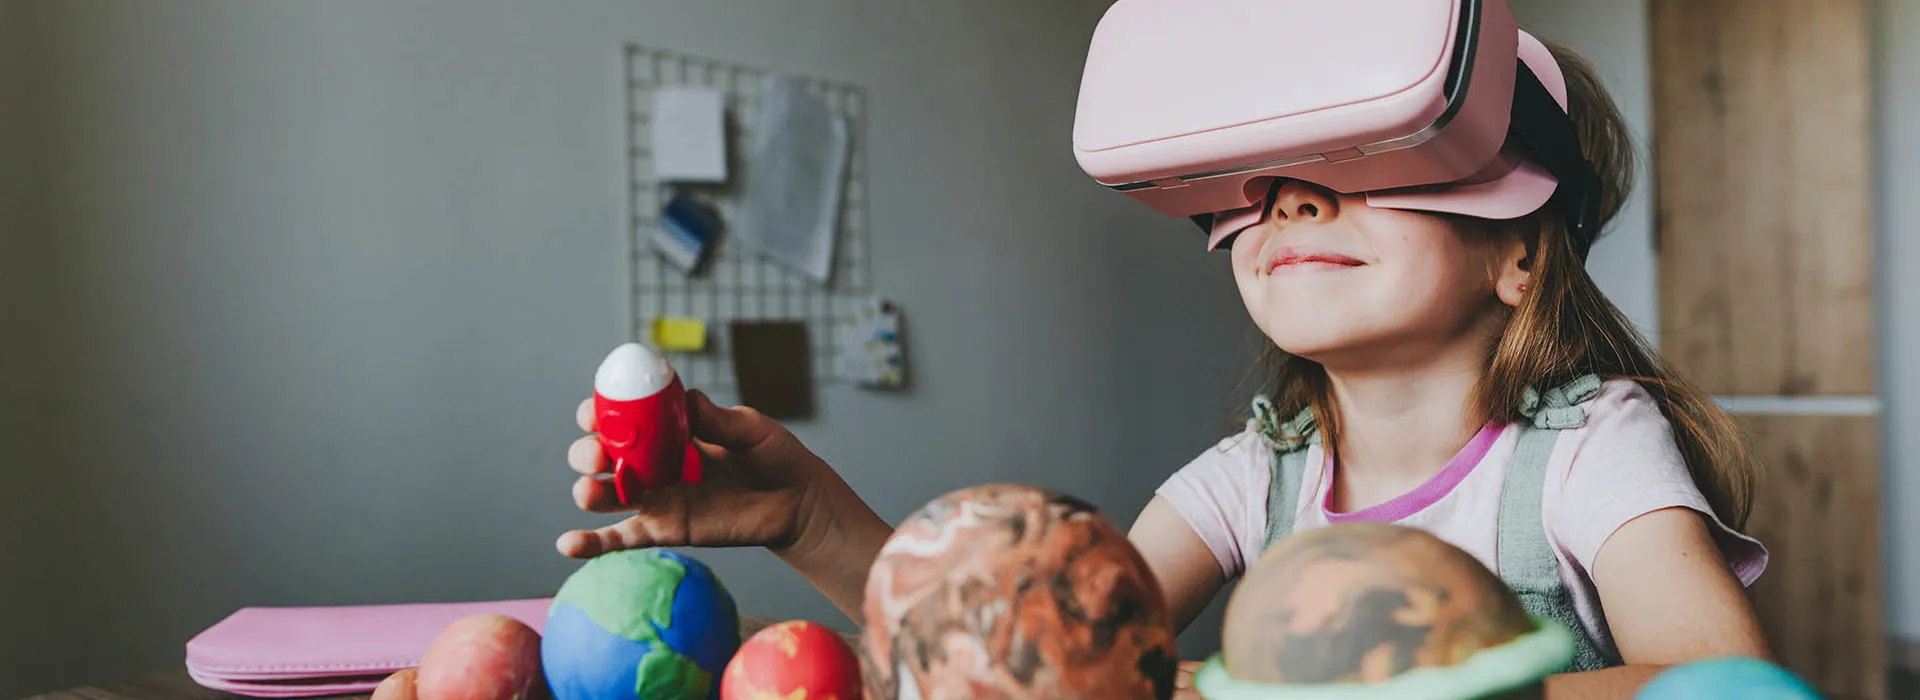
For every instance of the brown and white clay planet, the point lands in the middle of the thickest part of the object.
(1014, 592)
(1363, 603)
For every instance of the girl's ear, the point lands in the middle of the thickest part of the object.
(1512, 270)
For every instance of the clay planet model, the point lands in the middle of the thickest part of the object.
(1008, 591)
(647, 624)
(1369, 611)
(1732, 678)
(478, 657)
(793, 660)
(1361, 603)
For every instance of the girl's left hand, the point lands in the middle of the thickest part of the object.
(1183, 681)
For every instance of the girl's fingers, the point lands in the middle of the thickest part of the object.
(738, 428)
(586, 457)
(669, 518)
(713, 456)
(1183, 681)
(633, 533)
(584, 415)
(399, 686)
(579, 544)
(597, 495)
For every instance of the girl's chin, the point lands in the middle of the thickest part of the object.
(1327, 329)
(1315, 349)
(1329, 337)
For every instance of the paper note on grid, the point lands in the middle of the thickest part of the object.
(869, 350)
(689, 134)
(795, 180)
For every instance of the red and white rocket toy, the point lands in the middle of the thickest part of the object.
(640, 410)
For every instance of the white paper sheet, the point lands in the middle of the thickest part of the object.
(689, 134)
(795, 178)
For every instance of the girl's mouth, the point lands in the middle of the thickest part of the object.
(1301, 258)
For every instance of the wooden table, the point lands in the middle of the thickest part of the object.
(176, 685)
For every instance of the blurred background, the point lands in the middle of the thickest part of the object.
(297, 298)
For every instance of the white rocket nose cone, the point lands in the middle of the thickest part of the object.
(632, 372)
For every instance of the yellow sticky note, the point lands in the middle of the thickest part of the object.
(675, 334)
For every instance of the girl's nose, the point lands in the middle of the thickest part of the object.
(1296, 201)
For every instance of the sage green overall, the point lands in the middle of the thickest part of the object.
(1526, 559)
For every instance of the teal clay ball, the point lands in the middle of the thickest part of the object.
(1730, 678)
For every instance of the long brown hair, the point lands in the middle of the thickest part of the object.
(1565, 327)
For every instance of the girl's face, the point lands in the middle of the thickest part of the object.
(1331, 279)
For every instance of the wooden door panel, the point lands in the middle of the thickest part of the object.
(1762, 155)
(1817, 512)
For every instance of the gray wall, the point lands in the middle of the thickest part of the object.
(31, 563)
(323, 283)
(19, 545)
(1614, 36)
(1897, 107)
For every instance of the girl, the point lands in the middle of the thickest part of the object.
(1463, 376)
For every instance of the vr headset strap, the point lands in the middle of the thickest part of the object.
(1550, 134)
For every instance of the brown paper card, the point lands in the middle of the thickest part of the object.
(773, 367)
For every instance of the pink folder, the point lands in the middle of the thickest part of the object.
(290, 652)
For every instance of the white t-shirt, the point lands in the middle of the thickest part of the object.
(1621, 464)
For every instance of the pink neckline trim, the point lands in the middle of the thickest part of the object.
(1425, 494)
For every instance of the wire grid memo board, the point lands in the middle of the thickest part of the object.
(737, 282)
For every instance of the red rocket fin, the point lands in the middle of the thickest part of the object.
(626, 483)
(690, 468)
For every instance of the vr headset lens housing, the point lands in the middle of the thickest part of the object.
(1433, 105)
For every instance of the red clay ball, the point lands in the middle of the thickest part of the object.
(793, 659)
(482, 657)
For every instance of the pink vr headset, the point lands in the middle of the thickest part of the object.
(1200, 108)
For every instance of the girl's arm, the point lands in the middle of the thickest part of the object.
(840, 537)
(1670, 598)
(1188, 574)
(1186, 569)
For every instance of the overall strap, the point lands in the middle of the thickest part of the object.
(1527, 560)
(1283, 496)
(1288, 440)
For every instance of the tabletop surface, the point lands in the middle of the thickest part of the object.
(176, 685)
(166, 686)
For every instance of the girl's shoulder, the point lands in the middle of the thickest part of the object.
(1620, 396)
(1622, 462)
(1244, 449)
(1221, 494)
(1617, 413)
(1230, 466)
(1618, 433)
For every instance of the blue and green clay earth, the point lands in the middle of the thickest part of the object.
(648, 624)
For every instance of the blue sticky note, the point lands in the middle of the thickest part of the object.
(687, 229)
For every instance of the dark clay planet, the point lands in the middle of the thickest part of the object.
(1005, 591)
(1362, 603)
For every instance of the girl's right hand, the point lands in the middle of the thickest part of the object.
(760, 487)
